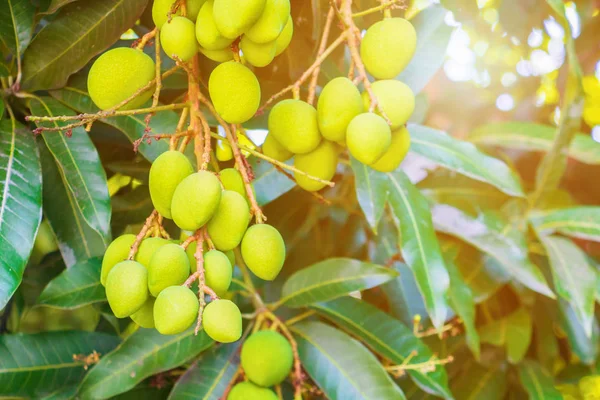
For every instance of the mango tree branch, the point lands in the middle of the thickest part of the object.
(315, 74)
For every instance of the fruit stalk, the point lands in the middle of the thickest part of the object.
(312, 87)
(385, 6)
(145, 39)
(157, 66)
(140, 236)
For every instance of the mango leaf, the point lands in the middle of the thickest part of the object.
(502, 247)
(388, 337)
(537, 382)
(75, 287)
(269, 184)
(371, 191)
(463, 158)
(341, 366)
(332, 278)
(479, 382)
(483, 273)
(585, 347)
(16, 25)
(208, 378)
(579, 222)
(79, 165)
(534, 137)
(20, 203)
(419, 245)
(141, 355)
(79, 32)
(513, 332)
(64, 393)
(38, 364)
(55, 5)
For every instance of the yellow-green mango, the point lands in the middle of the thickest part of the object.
(147, 249)
(117, 251)
(294, 124)
(144, 317)
(168, 267)
(222, 321)
(263, 251)
(175, 310)
(257, 54)
(227, 227)
(338, 103)
(166, 172)
(127, 288)
(238, 102)
(218, 271)
(272, 148)
(249, 391)
(207, 33)
(217, 55)
(271, 22)
(267, 358)
(161, 8)
(195, 200)
(234, 17)
(391, 159)
(232, 180)
(285, 37)
(395, 98)
(368, 137)
(320, 163)
(178, 38)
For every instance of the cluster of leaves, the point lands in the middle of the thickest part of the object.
(501, 263)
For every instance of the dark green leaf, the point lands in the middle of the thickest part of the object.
(342, 367)
(1, 107)
(537, 382)
(478, 382)
(16, 25)
(208, 378)
(141, 355)
(34, 365)
(387, 337)
(55, 5)
(20, 203)
(79, 32)
(269, 183)
(580, 222)
(513, 332)
(332, 278)
(420, 247)
(464, 158)
(75, 287)
(371, 191)
(79, 165)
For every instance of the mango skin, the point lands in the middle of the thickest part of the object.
(285, 37)
(144, 317)
(263, 251)
(160, 9)
(117, 251)
(388, 46)
(368, 137)
(396, 99)
(321, 163)
(175, 310)
(218, 271)
(249, 391)
(170, 168)
(267, 358)
(222, 321)
(272, 148)
(227, 227)
(147, 249)
(178, 38)
(169, 266)
(338, 103)
(257, 54)
(217, 55)
(235, 103)
(271, 22)
(234, 17)
(232, 179)
(119, 73)
(191, 249)
(293, 123)
(127, 288)
(195, 200)
(391, 159)
(207, 33)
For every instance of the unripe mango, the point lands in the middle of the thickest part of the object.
(227, 227)
(294, 124)
(235, 103)
(147, 249)
(195, 200)
(234, 17)
(285, 37)
(170, 168)
(222, 321)
(267, 358)
(257, 54)
(395, 98)
(263, 251)
(178, 38)
(232, 180)
(271, 22)
(218, 271)
(272, 148)
(207, 33)
(144, 317)
(338, 103)
(391, 159)
(321, 163)
(388, 46)
(161, 8)
(127, 288)
(175, 310)
(249, 391)
(117, 251)
(168, 267)
(119, 73)
(368, 137)
(217, 55)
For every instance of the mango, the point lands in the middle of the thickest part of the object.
(257, 54)
(144, 317)
(222, 321)
(235, 103)
(166, 172)
(234, 17)
(227, 227)
(267, 358)
(191, 249)
(161, 8)
(271, 22)
(321, 163)
(232, 180)
(391, 159)
(272, 148)
(127, 288)
(195, 200)
(368, 137)
(263, 251)
(168, 267)
(218, 271)
(285, 37)
(396, 99)
(175, 310)
(338, 103)
(117, 251)
(207, 33)
(249, 391)
(294, 124)
(147, 249)
(178, 38)
(217, 55)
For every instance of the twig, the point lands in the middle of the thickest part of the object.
(158, 88)
(385, 5)
(141, 43)
(140, 236)
(315, 74)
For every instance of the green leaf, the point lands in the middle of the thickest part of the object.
(534, 137)
(585, 347)
(20, 203)
(269, 184)
(64, 393)
(141, 355)
(16, 25)
(371, 191)
(332, 278)
(537, 382)
(419, 245)
(79, 32)
(80, 166)
(513, 332)
(342, 367)
(388, 337)
(475, 231)
(39, 364)
(479, 382)
(463, 158)
(55, 5)
(483, 273)
(75, 287)
(208, 378)
(579, 222)
(433, 37)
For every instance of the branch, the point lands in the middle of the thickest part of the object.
(385, 5)
(315, 74)
(140, 236)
